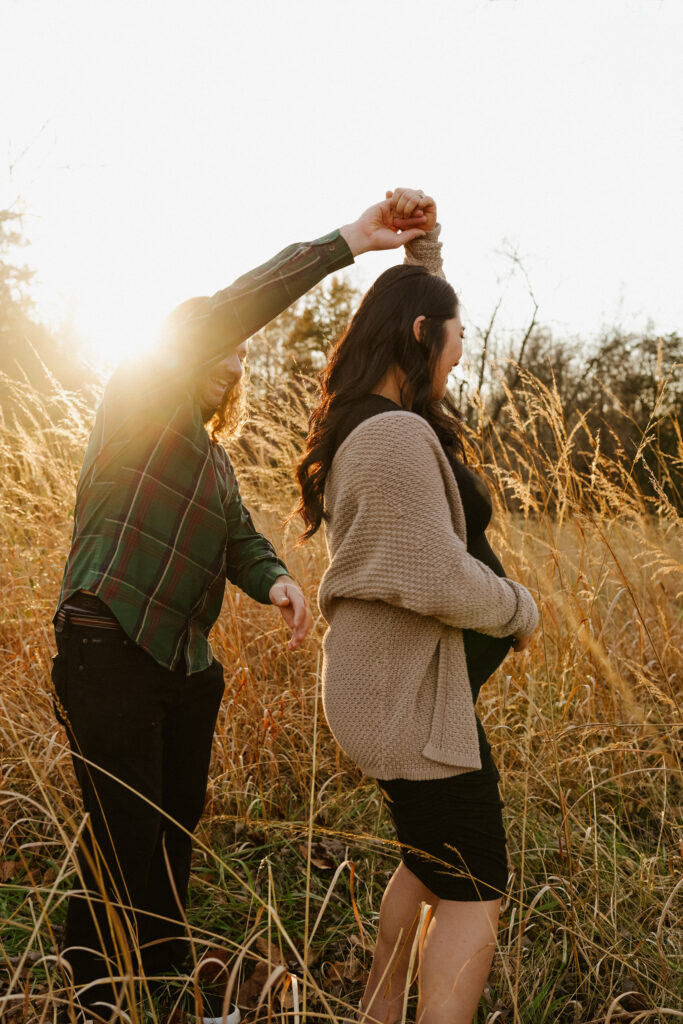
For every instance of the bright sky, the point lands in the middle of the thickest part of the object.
(163, 147)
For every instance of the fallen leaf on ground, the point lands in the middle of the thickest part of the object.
(250, 990)
(8, 868)
(213, 963)
(270, 953)
(323, 856)
(343, 970)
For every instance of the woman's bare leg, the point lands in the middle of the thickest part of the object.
(456, 959)
(398, 918)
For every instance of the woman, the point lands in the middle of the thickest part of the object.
(420, 614)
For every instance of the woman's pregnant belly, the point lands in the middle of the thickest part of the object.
(484, 653)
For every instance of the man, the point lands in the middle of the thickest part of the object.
(158, 528)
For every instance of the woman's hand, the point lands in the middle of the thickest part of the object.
(376, 228)
(408, 202)
(520, 642)
(286, 596)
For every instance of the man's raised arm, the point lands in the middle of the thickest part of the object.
(214, 327)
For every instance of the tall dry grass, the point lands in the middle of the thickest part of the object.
(294, 849)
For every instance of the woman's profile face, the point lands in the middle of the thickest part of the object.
(450, 356)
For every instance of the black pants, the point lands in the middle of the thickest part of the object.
(150, 729)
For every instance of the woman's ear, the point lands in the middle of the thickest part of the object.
(417, 328)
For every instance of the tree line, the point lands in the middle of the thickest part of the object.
(620, 393)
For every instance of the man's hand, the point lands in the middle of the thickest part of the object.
(286, 596)
(376, 229)
(409, 202)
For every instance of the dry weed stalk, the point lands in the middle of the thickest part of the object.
(586, 730)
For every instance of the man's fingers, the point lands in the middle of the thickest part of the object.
(302, 625)
(299, 613)
(296, 615)
(405, 237)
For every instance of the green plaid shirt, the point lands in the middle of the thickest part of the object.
(159, 524)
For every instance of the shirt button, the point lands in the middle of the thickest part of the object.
(330, 248)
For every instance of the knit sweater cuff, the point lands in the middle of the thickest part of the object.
(426, 252)
(526, 617)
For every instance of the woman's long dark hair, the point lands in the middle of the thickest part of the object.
(379, 336)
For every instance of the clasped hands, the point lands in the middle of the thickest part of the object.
(288, 597)
(404, 215)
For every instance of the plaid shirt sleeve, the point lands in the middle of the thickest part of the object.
(250, 562)
(233, 314)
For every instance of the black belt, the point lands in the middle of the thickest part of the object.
(86, 610)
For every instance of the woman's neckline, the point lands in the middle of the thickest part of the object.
(384, 398)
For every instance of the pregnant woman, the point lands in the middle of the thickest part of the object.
(420, 613)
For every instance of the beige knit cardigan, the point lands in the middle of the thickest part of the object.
(399, 590)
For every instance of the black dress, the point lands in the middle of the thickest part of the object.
(451, 830)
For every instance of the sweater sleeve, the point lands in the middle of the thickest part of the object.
(426, 252)
(400, 545)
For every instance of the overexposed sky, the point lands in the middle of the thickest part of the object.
(163, 147)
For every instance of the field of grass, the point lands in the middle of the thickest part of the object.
(294, 849)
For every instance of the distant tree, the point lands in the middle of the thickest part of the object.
(284, 359)
(622, 388)
(29, 350)
(294, 346)
(14, 280)
(16, 306)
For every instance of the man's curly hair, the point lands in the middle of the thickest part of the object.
(231, 414)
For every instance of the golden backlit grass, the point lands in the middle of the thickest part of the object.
(586, 729)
